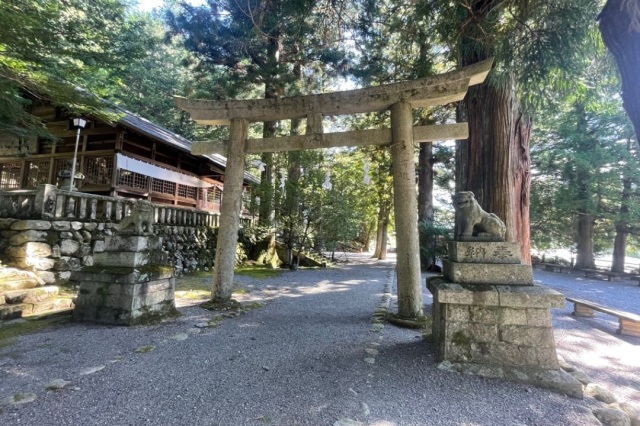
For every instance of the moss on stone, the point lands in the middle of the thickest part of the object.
(221, 305)
(125, 270)
(459, 338)
(421, 322)
(215, 321)
(151, 317)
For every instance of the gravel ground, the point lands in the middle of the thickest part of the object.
(309, 356)
(591, 344)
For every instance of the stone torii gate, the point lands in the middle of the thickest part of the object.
(400, 98)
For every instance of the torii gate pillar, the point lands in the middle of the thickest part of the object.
(230, 212)
(406, 208)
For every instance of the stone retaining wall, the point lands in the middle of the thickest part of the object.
(54, 248)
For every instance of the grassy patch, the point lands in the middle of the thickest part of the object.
(8, 332)
(240, 290)
(194, 283)
(258, 271)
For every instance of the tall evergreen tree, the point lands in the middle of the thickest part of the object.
(257, 47)
(535, 44)
(584, 169)
(54, 49)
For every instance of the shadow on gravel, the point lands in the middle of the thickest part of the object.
(601, 322)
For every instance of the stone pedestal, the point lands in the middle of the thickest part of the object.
(129, 284)
(490, 319)
(486, 263)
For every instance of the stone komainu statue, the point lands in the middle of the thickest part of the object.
(140, 221)
(473, 223)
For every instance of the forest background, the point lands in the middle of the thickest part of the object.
(551, 148)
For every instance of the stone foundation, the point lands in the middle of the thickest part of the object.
(499, 331)
(489, 319)
(138, 292)
(55, 248)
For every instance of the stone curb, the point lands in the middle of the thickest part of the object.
(610, 412)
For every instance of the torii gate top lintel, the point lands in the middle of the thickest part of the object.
(437, 90)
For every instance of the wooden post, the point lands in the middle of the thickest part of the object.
(406, 212)
(230, 212)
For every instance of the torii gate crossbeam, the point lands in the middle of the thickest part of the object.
(399, 98)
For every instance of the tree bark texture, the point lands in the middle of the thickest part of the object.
(378, 249)
(621, 34)
(406, 212)
(230, 212)
(425, 200)
(272, 89)
(584, 255)
(622, 227)
(494, 162)
(425, 182)
(586, 207)
(619, 250)
(384, 237)
(382, 234)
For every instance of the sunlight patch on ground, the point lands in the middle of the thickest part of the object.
(352, 282)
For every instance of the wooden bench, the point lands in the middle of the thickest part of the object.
(554, 267)
(628, 323)
(610, 275)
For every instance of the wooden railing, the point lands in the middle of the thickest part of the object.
(50, 203)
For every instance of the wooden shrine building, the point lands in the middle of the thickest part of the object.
(132, 158)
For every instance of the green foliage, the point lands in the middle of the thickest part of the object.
(541, 44)
(258, 43)
(50, 49)
(581, 155)
(436, 234)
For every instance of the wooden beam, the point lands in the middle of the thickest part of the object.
(425, 92)
(334, 140)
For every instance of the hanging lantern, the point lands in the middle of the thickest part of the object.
(326, 185)
(367, 179)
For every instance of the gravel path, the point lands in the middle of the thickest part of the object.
(591, 344)
(310, 356)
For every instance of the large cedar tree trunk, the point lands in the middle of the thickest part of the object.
(425, 200)
(494, 162)
(382, 238)
(619, 249)
(586, 208)
(622, 227)
(584, 255)
(272, 89)
(620, 29)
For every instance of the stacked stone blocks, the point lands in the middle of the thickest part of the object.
(494, 324)
(489, 318)
(131, 283)
(52, 249)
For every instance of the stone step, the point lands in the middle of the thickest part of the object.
(8, 312)
(53, 305)
(30, 295)
(18, 284)
(45, 305)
